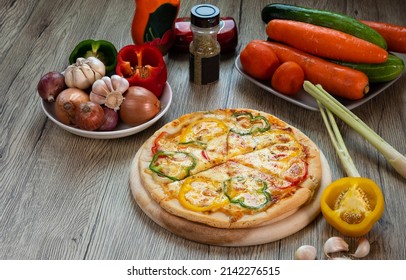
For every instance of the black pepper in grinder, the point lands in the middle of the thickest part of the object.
(204, 60)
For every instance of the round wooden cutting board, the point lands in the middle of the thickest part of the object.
(289, 224)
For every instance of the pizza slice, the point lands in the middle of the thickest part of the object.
(244, 129)
(250, 131)
(206, 139)
(287, 159)
(256, 197)
(198, 198)
(200, 139)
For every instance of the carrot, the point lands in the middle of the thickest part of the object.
(339, 80)
(325, 42)
(288, 78)
(394, 35)
(259, 61)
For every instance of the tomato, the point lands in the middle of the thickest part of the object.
(259, 61)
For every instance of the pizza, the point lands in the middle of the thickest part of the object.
(230, 168)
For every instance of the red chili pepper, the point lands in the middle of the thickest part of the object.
(142, 65)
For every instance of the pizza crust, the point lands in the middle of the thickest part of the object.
(153, 183)
(221, 220)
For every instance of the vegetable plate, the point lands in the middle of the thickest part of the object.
(122, 130)
(306, 101)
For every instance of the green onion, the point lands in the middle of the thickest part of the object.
(396, 159)
(338, 142)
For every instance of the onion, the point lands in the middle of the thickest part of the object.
(110, 119)
(139, 106)
(90, 116)
(67, 103)
(50, 85)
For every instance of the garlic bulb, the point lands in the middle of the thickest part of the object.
(84, 72)
(363, 248)
(109, 91)
(334, 245)
(306, 252)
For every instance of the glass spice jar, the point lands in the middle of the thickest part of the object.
(204, 59)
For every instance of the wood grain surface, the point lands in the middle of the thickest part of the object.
(67, 197)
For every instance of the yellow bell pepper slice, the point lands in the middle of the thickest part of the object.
(352, 205)
(202, 131)
(201, 194)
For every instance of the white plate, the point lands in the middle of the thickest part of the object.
(305, 100)
(122, 130)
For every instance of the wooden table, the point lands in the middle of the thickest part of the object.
(67, 197)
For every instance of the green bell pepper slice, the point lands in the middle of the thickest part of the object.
(252, 125)
(173, 165)
(104, 50)
(249, 193)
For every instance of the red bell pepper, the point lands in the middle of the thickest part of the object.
(142, 65)
(157, 145)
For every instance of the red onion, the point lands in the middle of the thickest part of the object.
(110, 120)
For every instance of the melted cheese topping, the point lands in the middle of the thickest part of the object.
(203, 130)
(249, 192)
(275, 156)
(201, 194)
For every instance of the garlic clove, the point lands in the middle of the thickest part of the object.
(108, 86)
(97, 76)
(100, 87)
(84, 77)
(335, 244)
(76, 78)
(119, 83)
(68, 77)
(79, 61)
(363, 248)
(97, 66)
(97, 98)
(306, 252)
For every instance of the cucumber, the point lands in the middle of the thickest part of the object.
(379, 73)
(324, 18)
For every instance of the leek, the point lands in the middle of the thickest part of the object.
(395, 158)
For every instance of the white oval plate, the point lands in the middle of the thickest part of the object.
(122, 130)
(305, 100)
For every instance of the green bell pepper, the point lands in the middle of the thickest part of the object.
(104, 50)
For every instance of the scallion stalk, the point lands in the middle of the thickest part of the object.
(338, 142)
(395, 158)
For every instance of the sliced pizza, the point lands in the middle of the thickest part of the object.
(231, 168)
